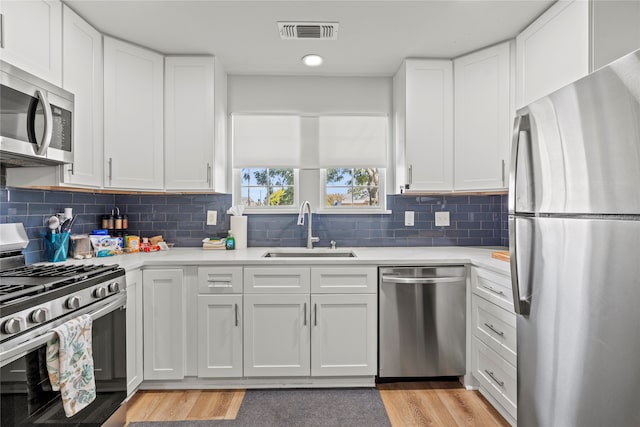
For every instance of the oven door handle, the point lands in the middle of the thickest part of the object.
(22, 349)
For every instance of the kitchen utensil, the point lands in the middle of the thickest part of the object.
(54, 223)
(66, 226)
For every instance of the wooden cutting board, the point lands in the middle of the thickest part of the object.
(501, 255)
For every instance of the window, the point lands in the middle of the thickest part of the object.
(262, 187)
(353, 188)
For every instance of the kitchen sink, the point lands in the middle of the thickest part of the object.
(309, 253)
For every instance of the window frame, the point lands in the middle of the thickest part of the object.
(382, 196)
(237, 194)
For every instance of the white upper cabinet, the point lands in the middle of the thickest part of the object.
(482, 119)
(133, 116)
(423, 104)
(82, 75)
(553, 51)
(571, 39)
(189, 111)
(32, 37)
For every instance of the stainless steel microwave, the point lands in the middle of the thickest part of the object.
(36, 120)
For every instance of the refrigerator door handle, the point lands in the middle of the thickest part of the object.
(521, 123)
(521, 305)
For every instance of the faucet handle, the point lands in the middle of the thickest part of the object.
(333, 244)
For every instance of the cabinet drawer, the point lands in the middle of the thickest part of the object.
(220, 280)
(277, 280)
(495, 327)
(336, 280)
(495, 375)
(493, 287)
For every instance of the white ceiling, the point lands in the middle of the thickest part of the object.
(374, 36)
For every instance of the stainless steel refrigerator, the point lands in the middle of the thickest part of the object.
(574, 236)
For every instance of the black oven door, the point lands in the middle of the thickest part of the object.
(27, 398)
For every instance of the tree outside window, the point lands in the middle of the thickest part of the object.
(352, 187)
(267, 187)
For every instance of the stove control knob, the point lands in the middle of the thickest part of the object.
(73, 303)
(38, 316)
(100, 292)
(12, 326)
(114, 287)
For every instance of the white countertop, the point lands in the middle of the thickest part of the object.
(391, 256)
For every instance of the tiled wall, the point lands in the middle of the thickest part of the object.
(475, 220)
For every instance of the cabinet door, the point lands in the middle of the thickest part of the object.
(553, 51)
(82, 75)
(32, 37)
(276, 335)
(133, 116)
(189, 123)
(219, 336)
(164, 320)
(134, 330)
(482, 119)
(429, 125)
(344, 335)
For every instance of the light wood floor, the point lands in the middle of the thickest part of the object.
(407, 404)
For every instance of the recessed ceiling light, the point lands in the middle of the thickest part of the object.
(312, 60)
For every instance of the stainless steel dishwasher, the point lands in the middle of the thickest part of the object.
(422, 321)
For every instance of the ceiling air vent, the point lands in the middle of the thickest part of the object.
(308, 30)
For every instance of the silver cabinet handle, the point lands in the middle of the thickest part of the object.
(209, 173)
(493, 377)
(421, 280)
(110, 168)
(490, 289)
(490, 326)
(1, 31)
(305, 314)
(48, 123)
(410, 174)
(224, 283)
(503, 174)
(236, 313)
(315, 314)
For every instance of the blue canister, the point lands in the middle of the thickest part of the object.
(56, 246)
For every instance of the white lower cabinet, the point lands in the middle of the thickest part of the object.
(493, 341)
(344, 335)
(134, 330)
(164, 324)
(220, 336)
(220, 322)
(276, 335)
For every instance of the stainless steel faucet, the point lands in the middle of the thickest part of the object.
(310, 239)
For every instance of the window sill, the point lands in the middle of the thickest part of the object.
(353, 212)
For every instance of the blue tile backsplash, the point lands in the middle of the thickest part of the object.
(181, 219)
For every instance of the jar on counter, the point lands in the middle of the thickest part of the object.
(118, 222)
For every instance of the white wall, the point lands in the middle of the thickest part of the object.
(309, 95)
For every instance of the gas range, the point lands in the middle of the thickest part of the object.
(36, 294)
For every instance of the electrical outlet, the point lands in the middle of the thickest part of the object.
(408, 218)
(212, 217)
(442, 219)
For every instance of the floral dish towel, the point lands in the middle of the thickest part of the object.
(70, 364)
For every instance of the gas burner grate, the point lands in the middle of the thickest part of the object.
(53, 270)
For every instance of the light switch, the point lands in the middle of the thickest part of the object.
(408, 218)
(212, 217)
(442, 219)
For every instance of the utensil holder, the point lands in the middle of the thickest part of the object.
(56, 246)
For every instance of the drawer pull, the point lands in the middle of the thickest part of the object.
(236, 313)
(493, 377)
(489, 288)
(490, 326)
(305, 314)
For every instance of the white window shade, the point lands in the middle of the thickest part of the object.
(266, 141)
(352, 141)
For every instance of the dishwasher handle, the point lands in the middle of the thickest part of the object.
(421, 280)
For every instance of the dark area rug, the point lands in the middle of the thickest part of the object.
(361, 407)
